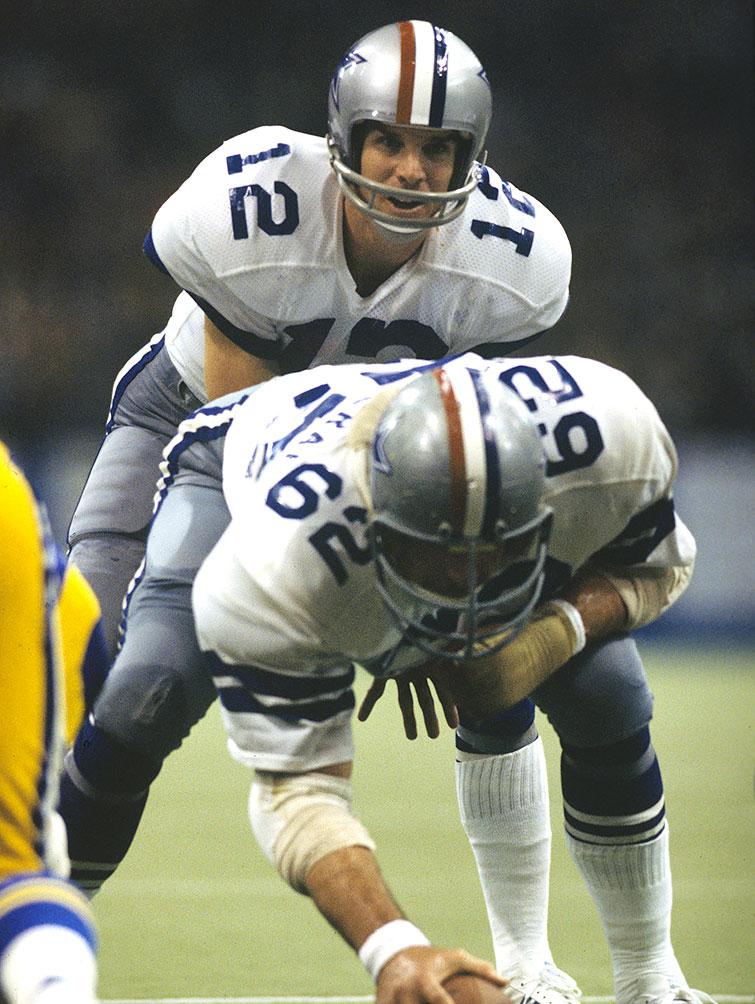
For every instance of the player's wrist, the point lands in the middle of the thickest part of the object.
(387, 941)
(572, 618)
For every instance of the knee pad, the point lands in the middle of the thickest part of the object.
(503, 732)
(145, 709)
(159, 686)
(600, 697)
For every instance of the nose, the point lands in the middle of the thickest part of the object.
(456, 574)
(410, 168)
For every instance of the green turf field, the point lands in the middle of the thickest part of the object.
(195, 910)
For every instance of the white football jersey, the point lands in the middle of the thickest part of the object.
(289, 590)
(255, 235)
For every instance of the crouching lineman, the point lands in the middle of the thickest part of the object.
(48, 631)
(511, 516)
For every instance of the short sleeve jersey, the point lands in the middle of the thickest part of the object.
(290, 587)
(255, 236)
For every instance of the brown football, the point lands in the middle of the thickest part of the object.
(468, 989)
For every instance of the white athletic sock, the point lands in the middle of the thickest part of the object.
(631, 887)
(48, 964)
(503, 802)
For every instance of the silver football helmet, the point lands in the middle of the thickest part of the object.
(459, 529)
(409, 73)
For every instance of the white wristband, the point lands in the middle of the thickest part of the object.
(575, 619)
(387, 941)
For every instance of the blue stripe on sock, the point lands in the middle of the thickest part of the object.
(30, 915)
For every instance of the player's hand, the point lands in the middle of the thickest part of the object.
(416, 682)
(416, 975)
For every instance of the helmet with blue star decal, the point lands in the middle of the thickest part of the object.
(411, 73)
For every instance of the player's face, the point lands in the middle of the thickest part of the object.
(408, 157)
(440, 568)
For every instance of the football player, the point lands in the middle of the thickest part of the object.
(509, 518)
(387, 238)
(48, 633)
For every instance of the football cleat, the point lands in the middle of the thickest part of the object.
(550, 986)
(675, 995)
(657, 988)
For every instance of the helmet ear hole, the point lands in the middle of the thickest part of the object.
(358, 133)
(461, 160)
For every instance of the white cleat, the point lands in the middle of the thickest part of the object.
(662, 990)
(677, 995)
(550, 986)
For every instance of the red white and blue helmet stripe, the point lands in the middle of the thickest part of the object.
(473, 456)
(424, 72)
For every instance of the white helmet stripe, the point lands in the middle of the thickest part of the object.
(473, 438)
(424, 72)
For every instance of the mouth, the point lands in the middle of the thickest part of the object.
(405, 204)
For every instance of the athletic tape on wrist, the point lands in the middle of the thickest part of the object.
(575, 619)
(387, 941)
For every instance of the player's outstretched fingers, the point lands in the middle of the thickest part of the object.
(406, 704)
(370, 699)
(427, 706)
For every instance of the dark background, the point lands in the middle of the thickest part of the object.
(631, 121)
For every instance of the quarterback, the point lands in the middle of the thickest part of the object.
(387, 238)
(499, 520)
(48, 632)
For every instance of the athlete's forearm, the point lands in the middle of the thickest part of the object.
(598, 603)
(553, 636)
(348, 889)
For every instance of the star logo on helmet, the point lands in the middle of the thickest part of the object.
(350, 59)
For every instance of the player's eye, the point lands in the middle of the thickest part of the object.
(390, 143)
(439, 149)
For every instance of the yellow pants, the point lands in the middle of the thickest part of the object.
(47, 616)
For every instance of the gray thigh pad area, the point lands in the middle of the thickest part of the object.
(120, 490)
(600, 697)
(159, 687)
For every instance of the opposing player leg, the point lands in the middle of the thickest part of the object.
(47, 942)
(47, 938)
(109, 527)
(614, 812)
(158, 687)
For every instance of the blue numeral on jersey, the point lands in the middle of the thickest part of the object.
(572, 457)
(522, 239)
(323, 540)
(282, 496)
(370, 336)
(491, 192)
(574, 451)
(238, 196)
(236, 163)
